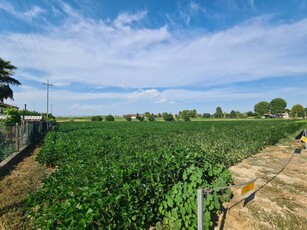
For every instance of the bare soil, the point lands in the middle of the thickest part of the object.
(280, 200)
(15, 188)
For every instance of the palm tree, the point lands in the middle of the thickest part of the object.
(6, 72)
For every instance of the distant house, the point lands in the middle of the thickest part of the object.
(281, 115)
(4, 106)
(133, 116)
(285, 115)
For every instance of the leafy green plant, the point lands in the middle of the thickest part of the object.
(12, 117)
(180, 205)
(127, 175)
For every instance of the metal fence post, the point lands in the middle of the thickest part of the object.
(27, 132)
(200, 209)
(17, 136)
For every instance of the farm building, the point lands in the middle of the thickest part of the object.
(133, 116)
(282, 115)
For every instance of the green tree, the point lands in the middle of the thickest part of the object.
(147, 114)
(29, 113)
(185, 117)
(167, 117)
(140, 118)
(233, 114)
(219, 113)
(128, 117)
(109, 118)
(240, 115)
(297, 111)
(96, 118)
(151, 117)
(206, 115)
(278, 105)
(194, 113)
(12, 117)
(261, 108)
(6, 79)
(185, 114)
(251, 114)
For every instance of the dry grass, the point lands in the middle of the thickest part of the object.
(280, 201)
(15, 188)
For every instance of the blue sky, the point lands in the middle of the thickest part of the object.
(120, 57)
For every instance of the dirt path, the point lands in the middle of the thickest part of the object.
(15, 187)
(281, 193)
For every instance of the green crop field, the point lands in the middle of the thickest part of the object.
(133, 175)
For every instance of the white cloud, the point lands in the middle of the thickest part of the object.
(189, 11)
(34, 12)
(73, 103)
(125, 53)
(163, 100)
(101, 53)
(144, 94)
(125, 19)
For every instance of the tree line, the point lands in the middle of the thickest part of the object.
(276, 108)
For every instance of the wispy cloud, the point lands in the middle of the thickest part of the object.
(125, 52)
(97, 53)
(144, 94)
(72, 103)
(191, 10)
(34, 12)
(125, 19)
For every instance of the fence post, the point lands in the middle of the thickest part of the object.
(200, 209)
(40, 128)
(27, 133)
(11, 134)
(17, 137)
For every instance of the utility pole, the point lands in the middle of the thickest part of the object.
(47, 85)
(51, 108)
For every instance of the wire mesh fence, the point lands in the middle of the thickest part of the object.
(15, 138)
